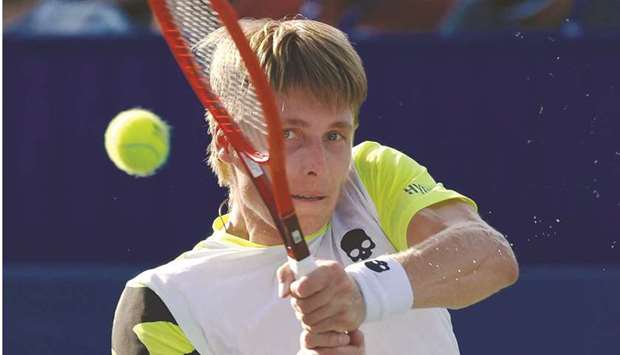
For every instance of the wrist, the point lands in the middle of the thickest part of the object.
(384, 286)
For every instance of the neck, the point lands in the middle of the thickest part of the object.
(245, 223)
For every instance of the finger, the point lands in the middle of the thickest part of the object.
(309, 285)
(310, 304)
(315, 281)
(334, 323)
(314, 318)
(285, 277)
(356, 346)
(330, 339)
(357, 338)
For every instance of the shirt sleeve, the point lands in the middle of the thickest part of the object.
(143, 325)
(399, 187)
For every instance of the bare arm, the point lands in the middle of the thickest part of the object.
(455, 259)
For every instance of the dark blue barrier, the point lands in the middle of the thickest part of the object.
(529, 126)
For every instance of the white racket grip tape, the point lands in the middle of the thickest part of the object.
(303, 267)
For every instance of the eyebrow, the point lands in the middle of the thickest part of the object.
(304, 124)
(342, 124)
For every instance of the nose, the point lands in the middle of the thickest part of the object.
(314, 159)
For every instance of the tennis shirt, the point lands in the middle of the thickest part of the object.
(221, 297)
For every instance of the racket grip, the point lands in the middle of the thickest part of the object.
(302, 267)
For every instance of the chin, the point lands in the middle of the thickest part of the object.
(311, 223)
(313, 216)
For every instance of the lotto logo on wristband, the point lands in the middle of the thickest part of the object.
(377, 265)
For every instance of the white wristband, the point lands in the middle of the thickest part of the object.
(384, 285)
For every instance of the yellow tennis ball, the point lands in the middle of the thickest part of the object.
(138, 142)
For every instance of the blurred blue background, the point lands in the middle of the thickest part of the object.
(526, 122)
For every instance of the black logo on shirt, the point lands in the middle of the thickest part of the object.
(357, 244)
(416, 189)
(377, 265)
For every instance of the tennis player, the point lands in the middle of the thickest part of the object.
(396, 249)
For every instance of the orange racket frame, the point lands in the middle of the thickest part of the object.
(275, 194)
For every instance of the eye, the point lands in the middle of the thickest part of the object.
(288, 134)
(334, 136)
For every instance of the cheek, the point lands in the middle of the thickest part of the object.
(339, 163)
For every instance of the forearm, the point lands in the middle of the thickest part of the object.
(459, 266)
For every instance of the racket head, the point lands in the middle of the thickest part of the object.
(230, 83)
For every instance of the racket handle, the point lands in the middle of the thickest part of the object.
(302, 267)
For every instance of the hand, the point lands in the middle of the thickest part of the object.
(332, 343)
(326, 300)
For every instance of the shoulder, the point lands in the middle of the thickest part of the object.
(142, 304)
(369, 155)
(143, 324)
(383, 169)
(399, 187)
(368, 151)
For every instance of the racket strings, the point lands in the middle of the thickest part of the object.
(221, 65)
(195, 18)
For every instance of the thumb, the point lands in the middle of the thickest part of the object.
(285, 277)
(357, 338)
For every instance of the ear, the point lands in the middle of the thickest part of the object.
(223, 148)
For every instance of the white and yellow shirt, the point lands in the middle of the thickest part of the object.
(221, 297)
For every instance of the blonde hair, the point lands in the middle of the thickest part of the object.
(295, 54)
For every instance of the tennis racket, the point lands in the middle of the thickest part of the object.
(245, 109)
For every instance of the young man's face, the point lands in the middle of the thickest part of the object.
(318, 141)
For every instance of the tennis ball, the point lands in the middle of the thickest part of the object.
(138, 142)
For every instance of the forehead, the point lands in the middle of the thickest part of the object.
(304, 103)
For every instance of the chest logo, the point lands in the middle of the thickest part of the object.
(357, 244)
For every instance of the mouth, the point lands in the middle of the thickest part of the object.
(309, 198)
